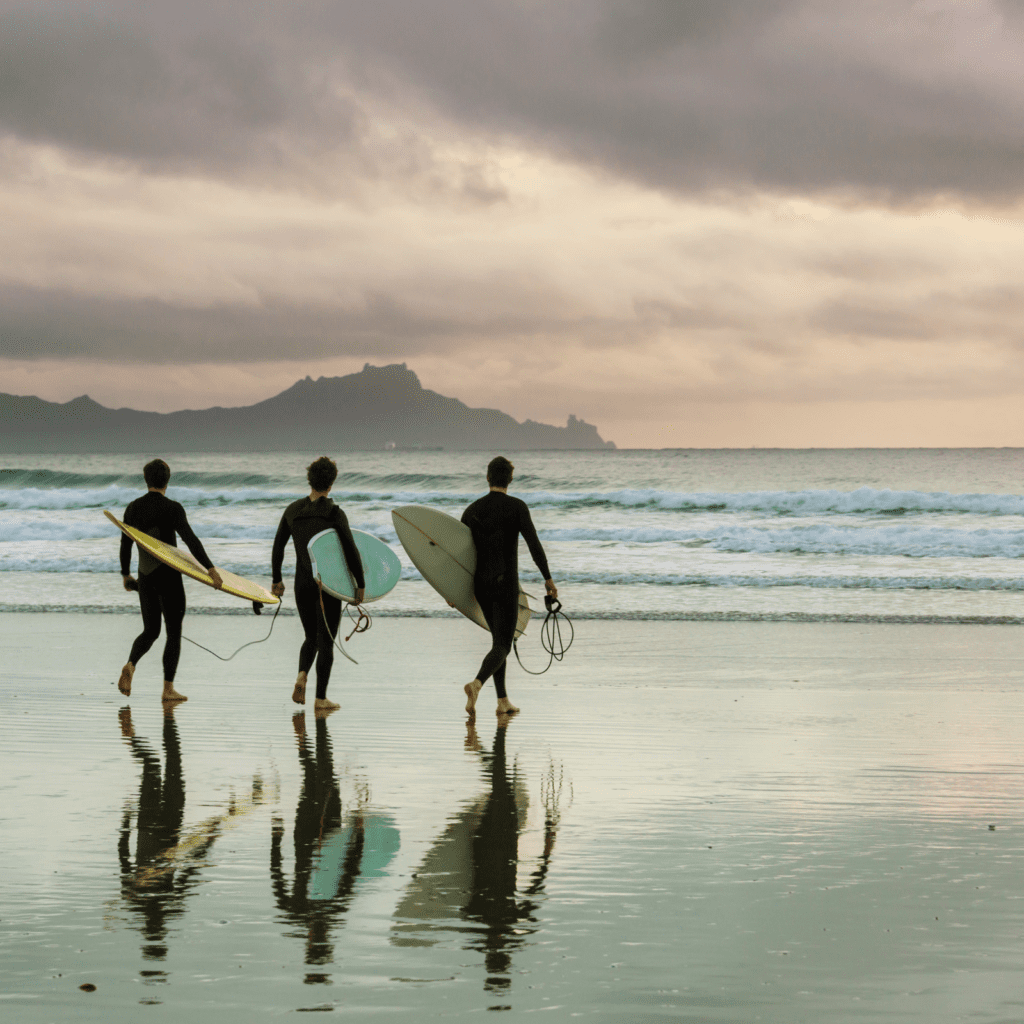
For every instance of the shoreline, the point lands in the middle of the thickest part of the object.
(611, 616)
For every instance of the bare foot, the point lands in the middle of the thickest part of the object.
(472, 692)
(124, 684)
(124, 716)
(299, 693)
(322, 707)
(506, 707)
(171, 695)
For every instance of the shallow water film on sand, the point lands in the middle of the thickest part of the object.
(715, 821)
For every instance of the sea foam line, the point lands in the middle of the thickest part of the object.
(669, 616)
(862, 501)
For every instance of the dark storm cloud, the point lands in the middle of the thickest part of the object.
(891, 100)
(204, 89)
(43, 323)
(693, 96)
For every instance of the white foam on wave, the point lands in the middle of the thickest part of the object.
(116, 498)
(876, 539)
(820, 538)
(863, 500)
(45, 562)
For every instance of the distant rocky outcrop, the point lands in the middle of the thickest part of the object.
(381, 407)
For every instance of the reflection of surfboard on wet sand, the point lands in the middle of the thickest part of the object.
(442, 549)
(182, 560)
(380, 841)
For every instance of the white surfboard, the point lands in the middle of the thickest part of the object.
(442, 549)
(381, 567)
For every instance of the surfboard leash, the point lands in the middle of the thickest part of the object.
(550, 636)
(362, 622)
(257, 611)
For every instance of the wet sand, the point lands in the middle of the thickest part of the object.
(713, 821)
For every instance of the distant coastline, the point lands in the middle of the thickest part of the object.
(381, 408)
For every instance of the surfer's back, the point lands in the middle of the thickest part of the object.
(163, 518)
(302, 520)
(496, 520)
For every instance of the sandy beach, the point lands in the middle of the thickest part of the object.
(723, 821)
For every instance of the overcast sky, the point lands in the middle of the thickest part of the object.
(714, 223)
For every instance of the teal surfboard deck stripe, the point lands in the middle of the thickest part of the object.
(381, 567)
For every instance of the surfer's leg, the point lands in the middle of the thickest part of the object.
(172, 602)
(499, 680)
(149, 604)
(501, 611)
(307, 600)
(325, 649)
(505, 625)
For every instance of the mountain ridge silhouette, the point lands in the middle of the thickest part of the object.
(380, 407)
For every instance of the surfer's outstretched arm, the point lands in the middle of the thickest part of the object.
(193, 543)
(529, 532)
(126, 554)
(284, 531)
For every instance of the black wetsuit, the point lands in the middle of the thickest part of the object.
(302, 520)
(161, 591)
(497, 520)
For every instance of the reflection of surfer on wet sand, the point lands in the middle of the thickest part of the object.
(331, 853)
(471, 872)
(156, 895)
(161, 591)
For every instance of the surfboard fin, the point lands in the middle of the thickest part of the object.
(257, 607)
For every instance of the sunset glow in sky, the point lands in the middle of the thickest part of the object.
(716, 223)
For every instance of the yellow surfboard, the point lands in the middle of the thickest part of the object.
(182, 560)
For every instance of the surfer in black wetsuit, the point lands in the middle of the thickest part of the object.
(497, 520)
(320, 612)
(161, 591)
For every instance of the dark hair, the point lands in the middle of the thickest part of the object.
(322, 473)
(499, 471)
(156, 473)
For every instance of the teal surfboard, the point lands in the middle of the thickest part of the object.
(381, 567)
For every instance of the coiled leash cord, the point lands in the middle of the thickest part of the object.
(550, 636)
(362, 622)
(257, 608)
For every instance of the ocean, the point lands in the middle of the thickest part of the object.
(848, 535)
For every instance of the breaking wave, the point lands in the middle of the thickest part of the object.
(44, 489)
